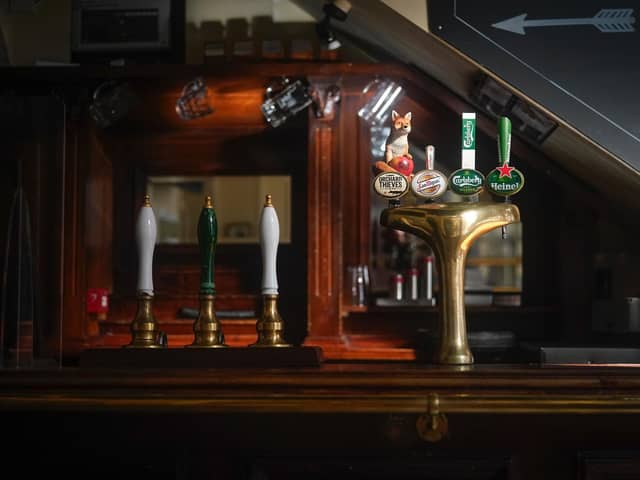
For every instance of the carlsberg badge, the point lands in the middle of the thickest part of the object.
(466, 181)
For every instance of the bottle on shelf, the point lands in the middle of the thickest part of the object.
(426, 280)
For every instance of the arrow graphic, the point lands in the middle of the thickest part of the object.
(608, 20)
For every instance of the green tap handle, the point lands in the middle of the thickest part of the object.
(207, 239)
(504, 140)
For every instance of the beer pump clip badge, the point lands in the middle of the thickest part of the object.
(504, 180)
(467, 180)
(429, 183)
(390, 185)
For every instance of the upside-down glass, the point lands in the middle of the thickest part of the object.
(193, 102)
(284, 101)
(111, 101)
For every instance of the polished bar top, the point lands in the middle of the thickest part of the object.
(331, 388)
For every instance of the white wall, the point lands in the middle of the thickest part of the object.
(414, 10)
(223, 10)
(45, 33)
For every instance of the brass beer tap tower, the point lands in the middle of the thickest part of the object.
(207, 328)
(450, 228)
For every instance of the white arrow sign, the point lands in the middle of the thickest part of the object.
(609, 20)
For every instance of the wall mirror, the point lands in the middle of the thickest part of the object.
(238, 202)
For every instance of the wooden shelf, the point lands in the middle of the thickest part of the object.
(46, 76)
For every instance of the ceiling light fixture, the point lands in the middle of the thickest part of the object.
(527, 120)
(338, 10)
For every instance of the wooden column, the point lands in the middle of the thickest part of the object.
(324, 234)
(71, 236)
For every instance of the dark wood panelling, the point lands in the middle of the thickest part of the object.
(88, 189)
(324, 235)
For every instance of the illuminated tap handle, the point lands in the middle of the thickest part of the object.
(146, 234)
(207, 239)
(269, 239)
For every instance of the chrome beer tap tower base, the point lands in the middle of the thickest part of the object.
(450, 229)
(144, 329)
(207, 328)
(270, 326)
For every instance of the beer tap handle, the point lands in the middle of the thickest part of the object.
(467, 181)
(270, 326)
(144, 329)
(207, 329)
(207, 239)
(431, 157)
(504, 180)
(504, 154)
(269, 239)
(429, 183)
(504, 141)
(146, 234)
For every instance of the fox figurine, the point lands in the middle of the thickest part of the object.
(397, 156)
(397, 144)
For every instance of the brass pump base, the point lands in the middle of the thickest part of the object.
(207, 328)
(450, 229)
(144, 329)
(270, 326)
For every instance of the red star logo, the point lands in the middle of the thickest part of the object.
(505, 170)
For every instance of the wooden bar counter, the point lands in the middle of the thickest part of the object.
(332, 388)
(364, 420)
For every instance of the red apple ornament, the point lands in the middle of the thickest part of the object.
(402, 164)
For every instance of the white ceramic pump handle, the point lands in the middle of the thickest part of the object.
(146, 233)
(269, 239)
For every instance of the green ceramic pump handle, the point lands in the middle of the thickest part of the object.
(207, 239)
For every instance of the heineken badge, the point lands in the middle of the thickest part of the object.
(504, 181)
(390, 184)
(466, 181)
